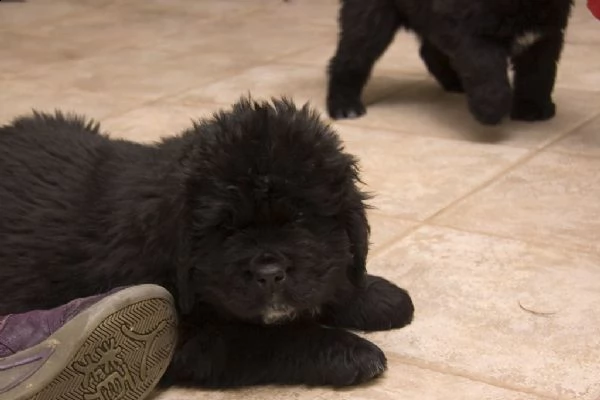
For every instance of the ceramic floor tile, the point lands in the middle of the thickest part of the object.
(22, 15)
(585, 140)
(401, 382)
(280, 393)
(551, 199)
(414, 383)
(73, 38)
(421, 107)
(127, 27)
(579, 67)
(401, 58)
(301, 83)
(21, 54)
(20, 97)
(143, 73)
(244, 30)
(583, 27)
(308, 12)
(261, 36)
(201, 10)
(153, 122)
(385, 229)
(494, 316)
(18, 52)
(510, 313)
(414, 177)
(96, 4)
(258, 393)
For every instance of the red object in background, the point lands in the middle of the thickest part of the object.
(594, 6)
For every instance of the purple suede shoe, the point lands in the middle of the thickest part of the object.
(107, 347)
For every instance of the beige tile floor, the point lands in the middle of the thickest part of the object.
(495, 231)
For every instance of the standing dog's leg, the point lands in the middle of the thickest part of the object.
(379, 306)
(242, 355)
(535, 73)
(482, 66)
(440, 67)
(366, 30)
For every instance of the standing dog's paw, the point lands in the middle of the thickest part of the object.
(453, 86)
(354, 360)
(489, 104)
(528, 111)
(341, 107)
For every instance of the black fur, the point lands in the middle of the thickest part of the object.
(466, 46)
(253, 219)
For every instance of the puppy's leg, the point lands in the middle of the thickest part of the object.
(440, 67)
(366, 30)
(482, 66)
(379, 306)
(535, 74)
(244, 355)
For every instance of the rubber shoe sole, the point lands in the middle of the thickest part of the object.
(116, 349)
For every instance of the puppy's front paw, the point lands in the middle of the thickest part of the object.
(388, 306)
(354, 360)
(345, 107)
(528, 111)
(378, 306)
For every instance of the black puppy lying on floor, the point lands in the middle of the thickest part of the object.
(465, 44)
(252, 219)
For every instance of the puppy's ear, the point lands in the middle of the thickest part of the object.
(358, 230)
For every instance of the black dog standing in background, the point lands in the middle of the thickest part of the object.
(252, 219)
(465, 44)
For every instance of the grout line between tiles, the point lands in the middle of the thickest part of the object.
(529, 155)
(576, 154)
(281, 58)
(573, 152)
(166, 96)
(428, 221)
(389, 243)
(567, 247)
(231, 74)
(442, 369)
(365, 124)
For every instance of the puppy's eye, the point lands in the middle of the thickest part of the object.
(299, 216)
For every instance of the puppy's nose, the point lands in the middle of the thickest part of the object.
(270, 276)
